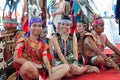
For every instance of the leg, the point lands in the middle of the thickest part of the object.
(77, 70)
(96, 60)
(60, 71)
(92, 69)
(28, 71)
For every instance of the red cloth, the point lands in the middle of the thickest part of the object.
(24, 23)
(20, 52)
(49, 55)
(74, 25)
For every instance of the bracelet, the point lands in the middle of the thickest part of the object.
(75, 62)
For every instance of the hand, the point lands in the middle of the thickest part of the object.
(115, 66)
(117, 21)
(49, 78)
(73, 68)
(75, 14)
(115, 58)
(53, 14)
(38, 66)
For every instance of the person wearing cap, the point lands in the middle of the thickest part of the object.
(30, 56)
(65, 46)
(94, 44)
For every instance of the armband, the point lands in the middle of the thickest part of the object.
(19, 52)
(75, 62)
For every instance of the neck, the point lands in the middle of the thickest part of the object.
(65, 36)
(82, 32)
(33, 37)
(97, 33)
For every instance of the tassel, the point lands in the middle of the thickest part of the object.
(20, 52)
(49, 55)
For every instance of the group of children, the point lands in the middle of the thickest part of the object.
(64, 54)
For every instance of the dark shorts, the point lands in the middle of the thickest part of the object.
(89, 62)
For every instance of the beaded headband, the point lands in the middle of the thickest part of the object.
(33, 20)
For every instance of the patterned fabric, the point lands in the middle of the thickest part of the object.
(33, 51)
(66, 50)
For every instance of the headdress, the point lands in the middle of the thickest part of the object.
(65, 19)
(97, 20)
(33, 20)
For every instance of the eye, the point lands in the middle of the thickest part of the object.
(63, 23)
(67, 24)
(37, 25)
(102, 25)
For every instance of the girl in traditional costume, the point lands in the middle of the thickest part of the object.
(65, 46)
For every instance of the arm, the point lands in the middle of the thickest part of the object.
(20, 60)
(75, 48)
(51, 46)
(78, 13)
(47, 63)
(91, 43)
(60, 10)
(111, 46)
(57, 49)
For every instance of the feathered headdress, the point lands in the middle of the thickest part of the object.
(97, 19)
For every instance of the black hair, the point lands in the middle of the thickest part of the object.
(65, 17)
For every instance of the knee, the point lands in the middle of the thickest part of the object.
(100, 59)
(66, 67)
(28, 68)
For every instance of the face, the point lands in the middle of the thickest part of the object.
(99, 28)
(80, 27)
(64, 27)
(36, 28)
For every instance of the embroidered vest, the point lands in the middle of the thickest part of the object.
(66, 49)
(33, 51)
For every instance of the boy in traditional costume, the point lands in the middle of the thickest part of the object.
(31, 58)
(94, 44)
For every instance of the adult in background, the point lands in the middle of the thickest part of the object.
(117, 14)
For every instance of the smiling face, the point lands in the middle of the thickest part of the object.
(64, 27)
(36, 28)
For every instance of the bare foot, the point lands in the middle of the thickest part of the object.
(93, 69)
